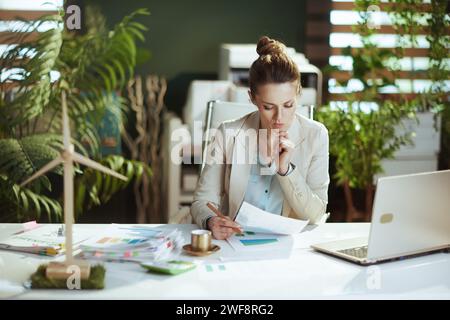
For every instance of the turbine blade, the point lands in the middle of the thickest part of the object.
(97, 166)
(49, 166)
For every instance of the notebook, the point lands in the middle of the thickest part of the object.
(46, 239)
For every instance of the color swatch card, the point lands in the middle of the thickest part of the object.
(254, 245)
(250, 240)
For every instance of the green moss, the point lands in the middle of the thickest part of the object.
(96, 279)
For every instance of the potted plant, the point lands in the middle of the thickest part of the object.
(436, 98)
(364, 129)
(90, 67)
(409, 19)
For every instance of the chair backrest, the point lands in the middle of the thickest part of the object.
(219, 111)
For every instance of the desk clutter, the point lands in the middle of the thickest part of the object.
(139, 243)
(134, 244)
(157, 249)
(46, 240)
(117, 243)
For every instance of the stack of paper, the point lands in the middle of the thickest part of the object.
(46, 240)
(135, 243)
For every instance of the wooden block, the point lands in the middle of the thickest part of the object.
(62, 270)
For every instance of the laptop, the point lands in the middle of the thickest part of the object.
(411, 216)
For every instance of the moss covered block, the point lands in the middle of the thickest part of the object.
(96, 279)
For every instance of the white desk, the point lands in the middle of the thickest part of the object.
(306, 275)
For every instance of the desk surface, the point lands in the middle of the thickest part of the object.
(305, 275)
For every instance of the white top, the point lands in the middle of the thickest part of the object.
(306, 274)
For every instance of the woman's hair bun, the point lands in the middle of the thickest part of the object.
(268, 46)
(274, 65)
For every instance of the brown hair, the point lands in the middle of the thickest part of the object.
(272, 66)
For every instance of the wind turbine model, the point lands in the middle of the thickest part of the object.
(59, 270)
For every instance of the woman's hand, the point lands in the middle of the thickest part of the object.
(277, 148)
(269, 146)
(286, 150)
(222, 228)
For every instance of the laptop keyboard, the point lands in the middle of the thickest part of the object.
(358, 252)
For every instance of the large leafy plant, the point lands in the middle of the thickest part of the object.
(409, 18)
(437, 97)
(364, 130)
(89, 67)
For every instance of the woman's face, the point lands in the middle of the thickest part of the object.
(276, 103)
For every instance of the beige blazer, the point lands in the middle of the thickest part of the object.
(225, 176)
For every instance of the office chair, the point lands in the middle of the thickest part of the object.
(219, 111)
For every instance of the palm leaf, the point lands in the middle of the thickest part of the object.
(101, 186)
(34, 91)
(20, 158)
(91, 67)
(23, 204)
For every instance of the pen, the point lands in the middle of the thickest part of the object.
(218, 213)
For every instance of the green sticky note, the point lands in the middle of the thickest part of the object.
(209, 268)
(171, 267)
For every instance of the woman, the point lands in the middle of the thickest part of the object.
(289, 171)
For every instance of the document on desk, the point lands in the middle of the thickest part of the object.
(43, 240)
(255, 246)
(254, 219)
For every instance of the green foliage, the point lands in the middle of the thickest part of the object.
(94, 65)
(437, 97)
(361, 139)
(32, 74)
(21, 204)
(408, 19)
(408, 16)
(439, 71)
(22, 157)
(91, 67)
(94, 187)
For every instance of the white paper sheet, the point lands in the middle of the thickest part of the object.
(252, 218)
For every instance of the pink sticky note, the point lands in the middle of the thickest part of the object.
(30, 225)
(27, 226)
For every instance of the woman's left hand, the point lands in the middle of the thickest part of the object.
(286, 149)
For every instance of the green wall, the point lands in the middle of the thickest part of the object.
(185, 35)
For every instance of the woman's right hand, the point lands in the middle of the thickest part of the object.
(222, 228)
(268, 146)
